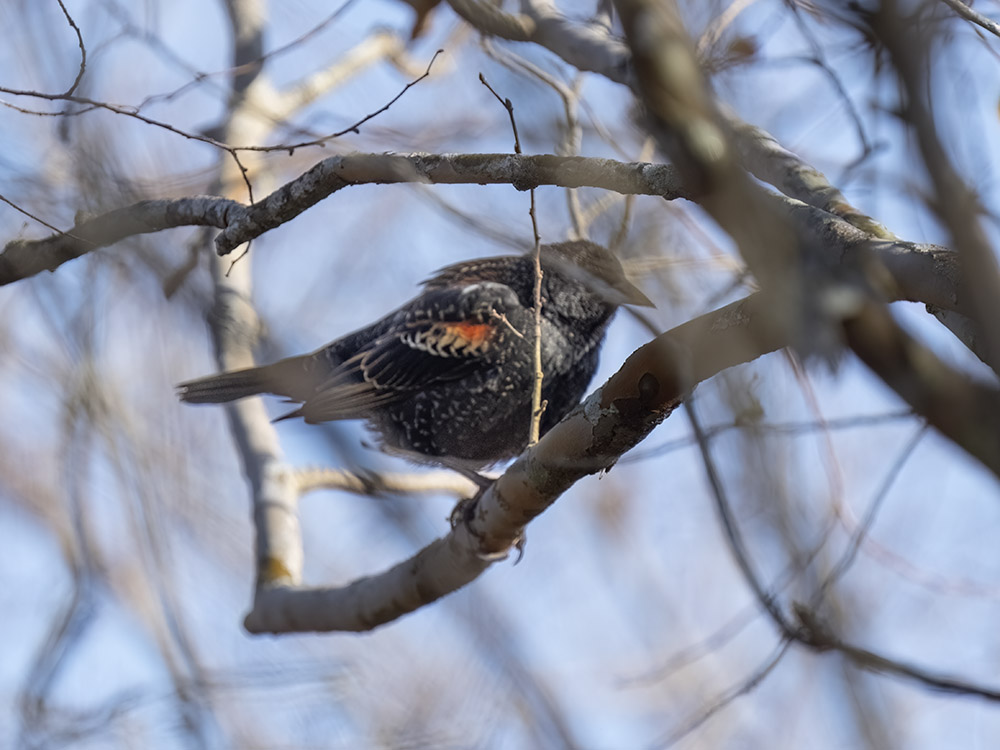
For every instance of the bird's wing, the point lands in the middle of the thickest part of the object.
(444, 335)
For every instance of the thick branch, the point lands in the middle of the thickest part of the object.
(587, 46)
(592, 438)
(921, 272)
(823, 301)
(954, 202)
(960, 408)
(234, 325)
(682, 116)
(21, 259)
(523, 172)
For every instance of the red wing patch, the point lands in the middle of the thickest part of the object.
(475, 334)
(451, 339)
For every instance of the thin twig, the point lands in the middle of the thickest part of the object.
(729, 525)
(537, 405)
(30, 215)
(233, 151)
(730, 695)
(865, 526)
(83, 50)
(569, 144)
(355, 128)
(779, 429)
(506, 321)
(814, 633)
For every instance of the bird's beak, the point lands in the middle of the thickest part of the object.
(632, 295)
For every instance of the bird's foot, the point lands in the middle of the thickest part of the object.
(463, 513)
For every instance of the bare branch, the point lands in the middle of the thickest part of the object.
(21, 259)
(591, 47)
(954, 202)
(960, 408)
(969, 14)
(924, 273)
(234, 326)
(920, 272)
(537, 405)
(372, 483)
(523, 172)
(815, 634)
(83, 50)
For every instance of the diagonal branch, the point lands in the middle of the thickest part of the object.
(963, 10)
(616, 417)
(954, 202)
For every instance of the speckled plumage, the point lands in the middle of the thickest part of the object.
(448, 376)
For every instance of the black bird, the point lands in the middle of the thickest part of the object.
(448, 377)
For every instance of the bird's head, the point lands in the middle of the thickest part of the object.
(596, 268)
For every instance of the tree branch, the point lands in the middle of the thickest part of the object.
(969, 14)
(523, 172)
(21, 259)
(954, 202)
(234, 325)
(371, 483)
(920, 272)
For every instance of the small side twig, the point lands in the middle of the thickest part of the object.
(537, 405)
(858, 537)
(373, 483)
(737, 544)
(83, 50)
(747, 685)
(26, 212)
(569, 143)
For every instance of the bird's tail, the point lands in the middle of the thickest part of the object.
(295, 378)
(226, 386)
